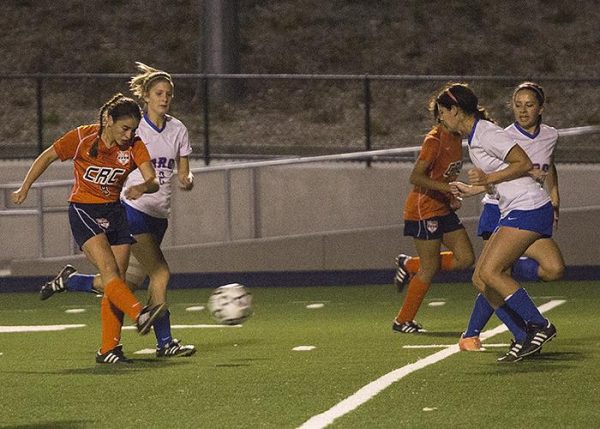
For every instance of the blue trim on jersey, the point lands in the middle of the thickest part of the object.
(538, 220)
(153, 126)
(472, 131)
(525, 133)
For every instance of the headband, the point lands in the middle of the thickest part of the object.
(157, 75)
(451, 96)
(539, 91)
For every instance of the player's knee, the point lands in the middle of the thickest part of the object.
(477, 282)
(135, 275)
(160, 272)
(487, 274)
(553, 272)
(465, 261)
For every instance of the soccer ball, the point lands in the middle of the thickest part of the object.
(230, 304)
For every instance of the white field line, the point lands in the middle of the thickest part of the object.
(441, 346)
(37, 328)
(145, 352)
(373, 388)
(47, 328)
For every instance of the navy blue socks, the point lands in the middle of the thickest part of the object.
(526, 269)
(481, 313)
(162, 330)
(81, 283)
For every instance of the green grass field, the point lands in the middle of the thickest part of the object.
(250, 376)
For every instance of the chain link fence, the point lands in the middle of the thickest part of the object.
(284, 115)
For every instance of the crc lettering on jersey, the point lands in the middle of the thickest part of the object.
(163, 162)
(103, 175)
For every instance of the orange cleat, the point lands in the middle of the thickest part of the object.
(469, 344)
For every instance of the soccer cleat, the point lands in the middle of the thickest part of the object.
(113, 356)
(147, 317)
(407, 327)
(402, 276)
(469, 344)
(175, 348)
(58, 284)
(537, 337)
(514, 354)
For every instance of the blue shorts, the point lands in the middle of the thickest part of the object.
(488, 220)
(538, 220)
(89, 220)
(433, 228)
(142, 223)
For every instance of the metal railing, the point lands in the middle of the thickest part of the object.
(40, 209)
(204, 82)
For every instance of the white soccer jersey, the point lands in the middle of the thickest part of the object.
(539, 147)
(488, 146)
(165, 146)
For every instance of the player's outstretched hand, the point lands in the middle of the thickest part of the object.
(19, 196)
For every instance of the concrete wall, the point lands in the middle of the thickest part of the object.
(333, 216)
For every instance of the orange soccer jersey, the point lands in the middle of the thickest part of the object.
(98, 180)
(443, 152)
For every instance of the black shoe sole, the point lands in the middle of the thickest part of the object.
(157, 314)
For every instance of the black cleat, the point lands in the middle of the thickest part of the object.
(113, 356)
(537, 337)
(402, 276)
(514, 354)
(147, 317)
(58, 284)
(407, 327)
(175, 348)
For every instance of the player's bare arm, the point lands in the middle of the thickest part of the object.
(419, 177)
(519, 165)
(38, 167)
(148, 186)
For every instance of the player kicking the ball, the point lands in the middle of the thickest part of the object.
(167, 142)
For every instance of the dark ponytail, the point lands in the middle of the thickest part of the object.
(461, 96)
(117, 107)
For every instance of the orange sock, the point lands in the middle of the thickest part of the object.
(415, 293)
(112, 322)
(121, 297)
(414, 263)
(447, 261)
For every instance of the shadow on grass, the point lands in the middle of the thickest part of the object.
(125, 368)
(556, 357)
(455, 335)
(111, 369)
(67, 424)
(231, 365)
(538, 363)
